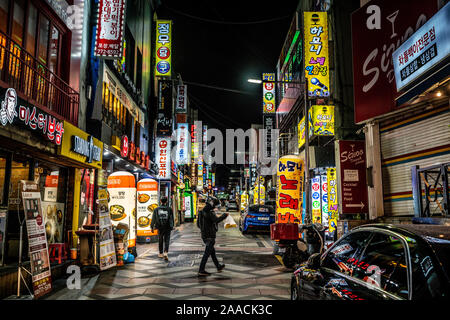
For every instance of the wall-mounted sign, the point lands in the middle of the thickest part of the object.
(181, 99)
(321, 120)
(378, 28)
(316, 54)
(162, 155)
(268, 93)
(315, 200)
(110, 29)
(124, 146)
(163, 47)
(352, 176)
(15, 111)
(428, 46)
(301, 132)
(269, 125)
(324, 199)
(183, 143)
(290, 181)
(80, 146)
(195, 143)
(164, 118)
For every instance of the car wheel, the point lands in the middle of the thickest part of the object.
(295, 292)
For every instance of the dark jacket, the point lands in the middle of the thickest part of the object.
(208, 221)
(159, 214)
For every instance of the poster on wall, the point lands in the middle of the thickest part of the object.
(110, 29)
(122, 202)
(37, 240)
(107, 250)
(316, 54)
(290, 184)
(147, 201)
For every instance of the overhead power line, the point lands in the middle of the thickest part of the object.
(228, 22)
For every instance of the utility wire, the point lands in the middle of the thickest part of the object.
(227, 22)
(217, 88)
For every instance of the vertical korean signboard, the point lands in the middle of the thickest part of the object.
(181, 106)
(183, 143)
(268, 93)
(110, 27)
(315, 199)
(316, 54)
(37, 239)
(164, 119)
(163, 47)
(352, 176)
(269, 124)
(162, 156)
(332, 199)
(290, 176)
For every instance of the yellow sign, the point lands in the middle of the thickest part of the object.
(163, 47)
(321, 120)
(80, 146)
(332, 199)
(244, 200)
(316, 54)
(268, 93)
(259, 193)
(301, 132)
(290, 184)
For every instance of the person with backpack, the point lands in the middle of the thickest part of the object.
(163, 221)
(207, 221)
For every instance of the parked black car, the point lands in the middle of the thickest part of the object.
(379, 261)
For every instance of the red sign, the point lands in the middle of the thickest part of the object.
(124, 146)
(378, 29)
(110, 26)
(352, 168)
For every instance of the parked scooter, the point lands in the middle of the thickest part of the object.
(294, 252)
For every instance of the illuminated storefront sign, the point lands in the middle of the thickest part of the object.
(147, 201)
(324, 198)
(110, 28)
(290, 189)
(315, 199)
(163, 157)
(316, 54)
(428, 46)
(268, 93)
(163, 65)
(181, 106)
(332, 198)
(182, 154)
(15, 111)
(80, 146)
(321, 120)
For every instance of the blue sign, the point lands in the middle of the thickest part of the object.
(163, 67)
(316, 195)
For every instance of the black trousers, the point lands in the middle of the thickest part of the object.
(164, 240)
(209, 251)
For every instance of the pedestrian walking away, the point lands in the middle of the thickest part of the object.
(163, 221)
(207, 221)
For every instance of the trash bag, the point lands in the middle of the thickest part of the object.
(128, 258)
(229, 222)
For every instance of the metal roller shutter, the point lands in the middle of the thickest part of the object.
(423, 140)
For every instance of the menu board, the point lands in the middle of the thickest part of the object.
(37, 240)
(106, 241)
(147, 201)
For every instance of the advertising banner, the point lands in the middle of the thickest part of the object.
(290, 184)
(316, 54)
(147, 201)
(122, 202)
(428, 46)
(183, 144)
(378, 28)
(181, 106)
(37, 239)
(110, 29)
(321, 120)
(332, 196)
(163, 47)
(107, 250)
(162, 156)
(352, 176)
(268, 93)
(315, 200)
(16, 111)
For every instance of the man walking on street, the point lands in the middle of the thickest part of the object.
(162, 219)
(208, 221)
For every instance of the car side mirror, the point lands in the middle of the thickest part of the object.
(314, 261)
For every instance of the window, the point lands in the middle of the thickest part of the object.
(348, 248)
(54, 51)
(18, 21)
(4, 16)
(383, 265)
(2, 178)
(44, 27)
(31, 30)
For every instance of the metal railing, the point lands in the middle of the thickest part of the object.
(23, 72)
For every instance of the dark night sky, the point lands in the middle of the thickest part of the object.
(226, 55)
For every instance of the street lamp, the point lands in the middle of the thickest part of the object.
(254, 81)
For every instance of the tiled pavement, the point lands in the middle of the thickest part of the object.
(251, 272)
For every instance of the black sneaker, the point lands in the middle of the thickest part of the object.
(204, 273)
(220, 267)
